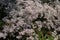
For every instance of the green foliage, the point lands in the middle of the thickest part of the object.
(43, 35)
(1, 24)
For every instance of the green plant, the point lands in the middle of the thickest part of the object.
(43, 35)
(1, 24)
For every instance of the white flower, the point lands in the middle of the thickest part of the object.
(3, 35)
(18, 37)
(30, 38)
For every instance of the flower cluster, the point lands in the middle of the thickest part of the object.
(26, 16)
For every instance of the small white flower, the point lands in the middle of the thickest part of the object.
(3, 35)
